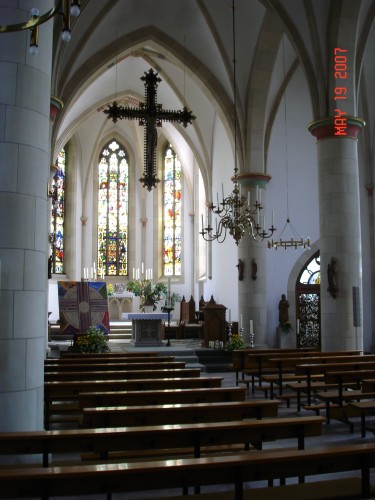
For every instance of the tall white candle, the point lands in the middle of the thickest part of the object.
(151, 274)
(169, 284)
(84, 273)
(241, 325)
(142, 269)
(92, 273)
(297, 327)
(251, 327)
(229, 316)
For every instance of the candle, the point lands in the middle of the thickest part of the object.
(251, 327)
(297, 328)
(241, 326)
(273, 218)
(202, 222)
(151, 273)
(133, 273)
(84, 273)
(92, 273)
(169, 285)
(142, 270)
(229, 315)
(248, 198)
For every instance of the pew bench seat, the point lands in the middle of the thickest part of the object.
(232, 470)
(119, 416)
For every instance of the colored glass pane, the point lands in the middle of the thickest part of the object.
(57, 215)
(113, 172)
(172, 214)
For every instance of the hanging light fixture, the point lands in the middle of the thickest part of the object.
(235, 212)
(65, 8)
(292, 238)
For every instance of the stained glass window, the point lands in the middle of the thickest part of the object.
(57, 216)
(172, 213)
(113, 193)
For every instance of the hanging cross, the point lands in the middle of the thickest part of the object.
(150, 115)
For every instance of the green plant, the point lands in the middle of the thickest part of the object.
(110, 289)
(235, 342)
(170, 301)
(94, 340)
(286, 326)
(149, 293)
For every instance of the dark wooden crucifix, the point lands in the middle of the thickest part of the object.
(150, 115)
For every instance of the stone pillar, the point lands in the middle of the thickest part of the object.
(340, 235)
(252, 293)
(25, 82)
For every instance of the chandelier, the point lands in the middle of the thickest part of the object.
(295, 240)
(65, 8)
(235, 212)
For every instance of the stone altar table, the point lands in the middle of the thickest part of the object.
(146, 328)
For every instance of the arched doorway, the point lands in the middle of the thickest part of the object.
(308, 304)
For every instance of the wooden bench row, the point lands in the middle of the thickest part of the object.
(193, 439)
(258, 364)
(233, 470)
(124, 416)
(111, 366)
(68, 391)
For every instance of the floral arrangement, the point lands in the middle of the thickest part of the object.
(110, 289)
(235, 342)
(149, 293)
(93, 341)
(286, 326)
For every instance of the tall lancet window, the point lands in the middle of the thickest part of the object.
(113, 194)
(57, 216)
(172, 213)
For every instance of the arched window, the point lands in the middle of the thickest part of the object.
(113, 194)
(57, 216)
(308, 303)
(172, 213)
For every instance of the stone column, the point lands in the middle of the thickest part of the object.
(252, 293)
(25, 83)
(340, 235)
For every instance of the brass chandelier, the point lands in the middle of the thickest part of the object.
(65, 8)
(235, 212)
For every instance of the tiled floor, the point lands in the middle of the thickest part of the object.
(335, 433)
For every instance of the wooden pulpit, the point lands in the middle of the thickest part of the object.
(214, 323)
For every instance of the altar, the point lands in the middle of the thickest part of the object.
(146, 328)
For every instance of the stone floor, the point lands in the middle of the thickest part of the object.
(335, 433)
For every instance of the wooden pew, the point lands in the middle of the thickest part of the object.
(151, 441)
(234, 470)
(258, 364)
(120, 416)
(339, 397)
(289, 364)
(239, 356)
(159, 397)
(121, 374)
(56, 393)
(110, 354)
(117, 366)
(108, 359)
(338, 365)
